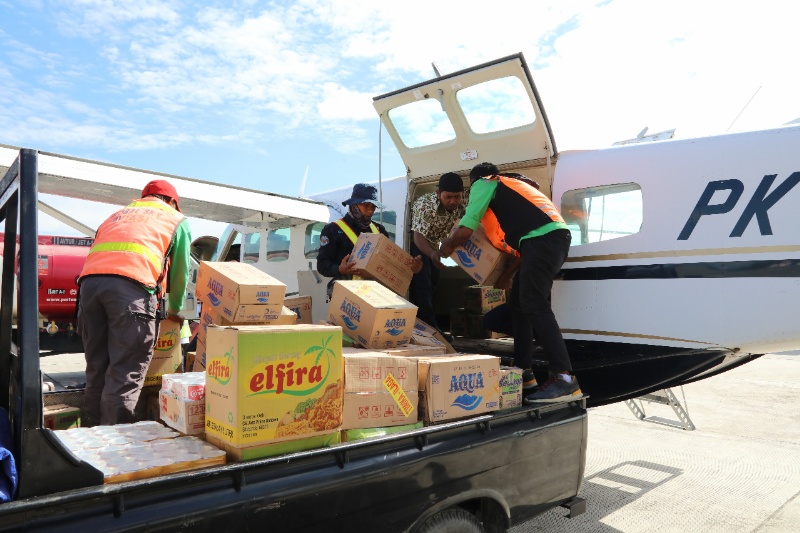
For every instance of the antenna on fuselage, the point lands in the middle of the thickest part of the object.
(745, 107)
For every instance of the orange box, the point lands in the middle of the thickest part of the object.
(238, 291)
(378, 258)
(480, 259)
(301, 305)
(458, 386)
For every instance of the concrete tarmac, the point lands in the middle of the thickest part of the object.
(738, 471)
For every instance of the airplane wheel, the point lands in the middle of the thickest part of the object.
(454, 520)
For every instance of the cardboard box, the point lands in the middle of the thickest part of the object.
(350, 435)
(236, 290)
(186, 416)
(425, 335)
(366, 371)
(378, 258)
(415, 350)
(188, 363)
(372, 409)
(167, 355)
(251, 314)
(510, 387)
(61, 416)
(372, 314)
(301, 305)
(260, 451)
(480, 259)
(267, 384)
(458, 386)
(480, 299)
(199, 355)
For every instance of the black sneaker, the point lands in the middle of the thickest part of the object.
(529, 381)
(556, 390)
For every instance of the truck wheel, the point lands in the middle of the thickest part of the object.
(454, 520)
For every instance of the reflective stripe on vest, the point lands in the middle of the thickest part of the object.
(347, 230)
(133, 242)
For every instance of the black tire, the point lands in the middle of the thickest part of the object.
(453, 520)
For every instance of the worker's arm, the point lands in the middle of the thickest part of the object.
(426, 249)
(480, 196)
(179, 269)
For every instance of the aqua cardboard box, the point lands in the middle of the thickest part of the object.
(167, 355)
(458, 386)
(301, 306)
(268, 384)
(480, 259)
(237, 290)
(378, 258)
(426, 335)
(374, 316)
(259, 315)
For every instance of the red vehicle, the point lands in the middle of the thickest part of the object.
(60, 261)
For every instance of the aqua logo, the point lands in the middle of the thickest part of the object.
(467, 402)
(364, 250)
(395, 326)
(464, 259)
(352, 311)
(215, 286)
(466, 382)
(213, 300)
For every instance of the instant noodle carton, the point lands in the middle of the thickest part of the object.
(480, 299)
(458, 386)
(301, 305)
(167, 355)
(480, 259)
(510, 387)
(379, 390)
(181, 414)
(371, 314)
(268, 384)
(378, 258)
(239, 292)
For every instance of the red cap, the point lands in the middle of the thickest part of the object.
(161, 187)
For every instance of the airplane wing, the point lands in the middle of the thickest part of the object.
(84, 179)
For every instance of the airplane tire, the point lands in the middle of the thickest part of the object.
(453, 520)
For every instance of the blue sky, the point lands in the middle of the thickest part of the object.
(254, 94)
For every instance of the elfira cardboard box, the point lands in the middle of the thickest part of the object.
(480, 259)
(510, 387)
(61, 416)
(265, 315)
(480, 299)
(260, 451)
(186, 416)
(458, 386)
(378, 258)
(301, 305)
(426, 335)
(374, 316)
(167, 355)
(236, 290)
(268, 384)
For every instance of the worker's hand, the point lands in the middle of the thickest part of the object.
(446, 249)
(416, 264)
(172, 317)
(347, 267)
(436, 260)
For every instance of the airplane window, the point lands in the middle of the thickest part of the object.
(496, 105)
(278, 245)
(313, 231)
(252, 242)
(602, 213)
(422, 123)
(389, 221)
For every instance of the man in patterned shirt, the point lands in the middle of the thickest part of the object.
(433, 216)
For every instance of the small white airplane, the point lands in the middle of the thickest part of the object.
(685, 258)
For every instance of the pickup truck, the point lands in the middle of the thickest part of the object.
(486, 473)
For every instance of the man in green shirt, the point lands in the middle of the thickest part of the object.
(520, 219)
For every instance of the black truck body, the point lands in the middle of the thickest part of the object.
(502, 468)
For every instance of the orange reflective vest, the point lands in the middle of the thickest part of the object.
(517, 209)
(134, 242)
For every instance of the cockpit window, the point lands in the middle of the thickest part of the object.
(496, 105)
(603, 213)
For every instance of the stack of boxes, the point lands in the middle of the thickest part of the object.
(233, 293)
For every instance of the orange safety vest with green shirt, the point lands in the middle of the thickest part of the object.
(123, 248)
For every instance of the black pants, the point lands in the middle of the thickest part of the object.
(422, 290)
(542, 258)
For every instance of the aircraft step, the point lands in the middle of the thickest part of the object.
(665, 397)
